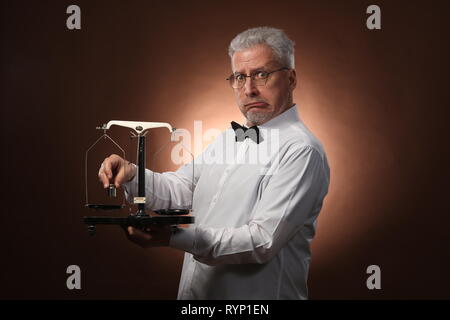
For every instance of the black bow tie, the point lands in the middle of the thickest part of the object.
(243, 132)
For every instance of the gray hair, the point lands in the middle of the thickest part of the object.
(282, 47)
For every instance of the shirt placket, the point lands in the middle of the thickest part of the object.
(239, 159)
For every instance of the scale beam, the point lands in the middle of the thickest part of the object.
(138, 126)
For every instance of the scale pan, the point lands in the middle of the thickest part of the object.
(104, 206)
(172, 212)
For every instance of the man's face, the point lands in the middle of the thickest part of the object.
(259, 104)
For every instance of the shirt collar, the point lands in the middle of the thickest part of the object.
(283, 120)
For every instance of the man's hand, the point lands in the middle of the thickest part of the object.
(117, 170)
(153, 236)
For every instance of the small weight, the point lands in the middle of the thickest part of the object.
(112, 191)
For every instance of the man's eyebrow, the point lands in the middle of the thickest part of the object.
(263, 68)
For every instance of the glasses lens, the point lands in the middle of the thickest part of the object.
(261, 75)
(238, 81)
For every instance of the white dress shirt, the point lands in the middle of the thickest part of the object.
(255, 207)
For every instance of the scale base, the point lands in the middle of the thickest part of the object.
(137, 221)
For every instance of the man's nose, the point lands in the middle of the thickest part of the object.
(250, 89)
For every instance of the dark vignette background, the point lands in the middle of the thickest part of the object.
(378, 100)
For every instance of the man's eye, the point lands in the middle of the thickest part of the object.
(261, 75)
(239, 77)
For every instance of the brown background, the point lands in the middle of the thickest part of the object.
(378, 100)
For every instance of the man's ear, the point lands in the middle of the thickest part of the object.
(292, 79)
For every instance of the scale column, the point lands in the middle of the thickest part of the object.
(141, 175)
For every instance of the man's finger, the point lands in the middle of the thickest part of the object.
(138, 234)
(107, 168)
(125, 230)
(103, 178)
(119, 177)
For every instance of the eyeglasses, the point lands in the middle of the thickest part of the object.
(237, 81)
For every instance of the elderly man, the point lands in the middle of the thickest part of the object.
(254, 220)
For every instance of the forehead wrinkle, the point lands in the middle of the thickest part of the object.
(264, 67)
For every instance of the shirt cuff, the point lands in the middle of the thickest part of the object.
(183, 239)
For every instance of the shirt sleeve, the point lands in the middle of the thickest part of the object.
(292, 197)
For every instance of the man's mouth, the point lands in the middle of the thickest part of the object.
(255, 105)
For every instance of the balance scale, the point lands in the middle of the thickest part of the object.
(141, 219)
